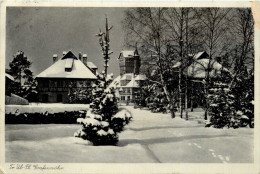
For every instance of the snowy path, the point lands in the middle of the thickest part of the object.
(149, 138)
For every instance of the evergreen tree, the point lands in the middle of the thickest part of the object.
(104, 120)
(232, 106)
(25, 85)
(243, 91)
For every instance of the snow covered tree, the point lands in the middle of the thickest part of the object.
(220, 105)
(104, 120)
(146, 27)
(215, 25)
(243, 91)
(79, 95)
(232, 107)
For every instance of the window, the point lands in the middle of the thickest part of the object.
(59, 83)
(45, 98)
(123, 98)
(128, 90)
(46, 83)
(59, 98)
(68, 69)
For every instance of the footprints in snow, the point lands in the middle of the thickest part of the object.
(198, 146)
(195, 144)
(224, 160)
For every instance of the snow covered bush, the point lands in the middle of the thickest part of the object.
(220, 103)
(67, 117)
(232, 105)
(104, 120)
(243, 91)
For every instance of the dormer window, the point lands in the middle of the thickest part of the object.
(69, 64)
(68, 69)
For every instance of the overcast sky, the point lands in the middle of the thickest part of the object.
(43, 31)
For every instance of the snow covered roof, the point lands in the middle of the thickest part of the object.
(176, 65)
(9, 76)
(91, 65)
(128, 53)
(202, 54)
(140, 77)
(133, 79)
(132, 84)
(69, 63)
(198, 68)
(57, 70)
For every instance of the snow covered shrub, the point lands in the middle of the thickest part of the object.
(79, 95)
(220, 105)
(158, 103)
(243, 91)
(104, 120)
(233, 105)
(44, 117)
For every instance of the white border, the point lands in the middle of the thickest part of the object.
(124, 167)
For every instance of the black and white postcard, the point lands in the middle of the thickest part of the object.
(129, 87)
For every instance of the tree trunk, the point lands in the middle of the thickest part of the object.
(186, 98)
(172, 113)
(191, 98)
(206, 95)
(180, 97)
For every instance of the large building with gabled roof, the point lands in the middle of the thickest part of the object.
(70, 71)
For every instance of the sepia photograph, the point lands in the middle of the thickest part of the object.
(129, 85)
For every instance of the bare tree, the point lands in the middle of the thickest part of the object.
(185, 41)
(215, 25)
(243, 52)
(147, 27)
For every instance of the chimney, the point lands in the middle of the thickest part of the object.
(64, 53)
(85, 59)
(80, 56)
(55, 57)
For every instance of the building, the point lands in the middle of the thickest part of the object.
(200, 67)
(10, 98)
(129, 62)
(126, 85)
(129, 80)
(68, 72)
(201, 63)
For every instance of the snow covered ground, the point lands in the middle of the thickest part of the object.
(43, 107)
(149, 138)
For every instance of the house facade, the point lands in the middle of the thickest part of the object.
(68, 72)
(129, 80)
(199, 68)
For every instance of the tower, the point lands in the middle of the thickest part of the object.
(129, 62)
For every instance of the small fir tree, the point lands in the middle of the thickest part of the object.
(220, 102)
(104, 120)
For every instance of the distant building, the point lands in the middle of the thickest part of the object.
(201, 63)
(129, 80)
(196, 72)
(126, 85)
(129, 62)
(10, 98)
(65, 73)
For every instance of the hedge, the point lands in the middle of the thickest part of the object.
(45, 118)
